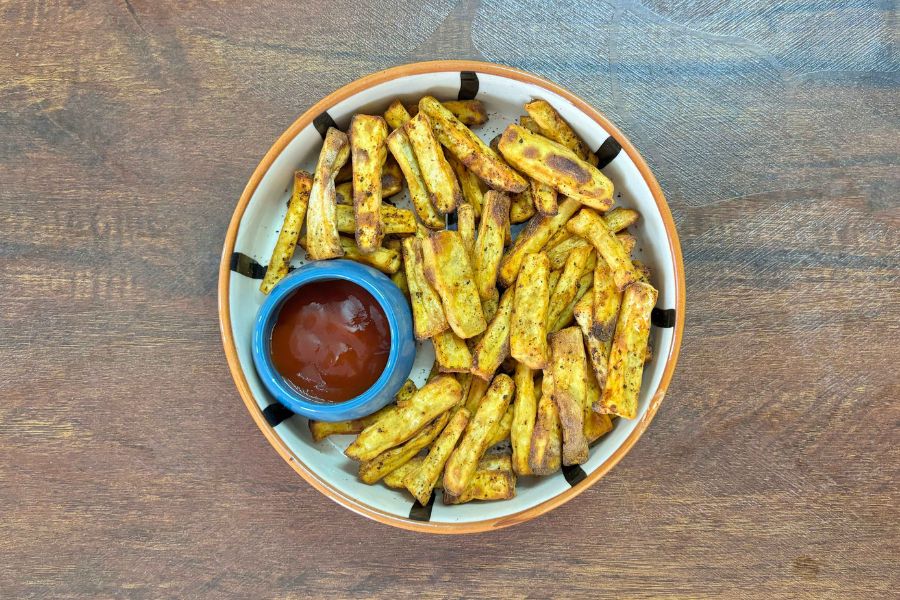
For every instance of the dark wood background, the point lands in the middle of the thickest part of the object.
(128, 464)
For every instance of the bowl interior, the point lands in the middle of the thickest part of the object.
(324, 462)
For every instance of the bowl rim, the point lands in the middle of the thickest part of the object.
(370, 280)
(299, 124)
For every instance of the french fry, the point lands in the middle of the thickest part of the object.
(591, 227)
(370, 471)
(465, 382)
(493, 347)
(562, 250)
(557, 238)
(495, 461)
(629, 347)
(469, 149)
(368, 151)
(401, 148)
(428, 313)
(553, 126)
(469, 112)
(643, 270)
(463, 461)
(596, 425)
(395, 478)
(627, 240)
(469, 183)
(406, 393)
(436, 171)
(447, 268)
(569, 370)
(521, 207)
(343, 195)
(502, 429)
(619, 218)
(322, 236)
(290, 232)
(322, 429)
(544, 198)
(451, 353)
(486, 484)
(565, 317)
(597, 350)
(557, 166)
(391, 177)
(385, 260)
(528, 324)
(567, 286)
(530, 124)
(465, 225)
(490, 305)
(545, 455)
(477, 389)
(399, 279)
(533, 238)
(437, 396)
(421, 481)
(394, 220)
(396, 115)
(524, 414)
(489, 245)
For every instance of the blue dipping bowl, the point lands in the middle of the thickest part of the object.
(400, 322)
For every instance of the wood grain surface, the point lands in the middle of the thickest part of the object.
(128, 464)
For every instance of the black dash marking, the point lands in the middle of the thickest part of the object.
(663, 317)
(452, 220)
(422, 513)
(574, 474)
(276, 413)
(246, 266)
(323, 122)
(607, 152)
(468, 85)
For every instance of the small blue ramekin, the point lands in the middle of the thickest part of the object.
(400, 359)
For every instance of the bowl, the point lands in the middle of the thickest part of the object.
(400, 323)
(254, 228)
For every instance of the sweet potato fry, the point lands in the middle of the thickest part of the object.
(544, 198)
(451, 353)
(448, 270)
(469, 112)
(591, 227)
(521, 206)
(396, 115)
(421, 481)
(395, 478)
(370, 471)
(546, 438)
(495, 461)
(557, 166)
(567, 286)
(428, 313)
(436, 171)
(501, 430)
(489, 245)
(553, 126)
(465, 225)
(486, 484)
(569, 370)
(368, 151)
(394, 220)
(290, 232)
(469, 184)
(493, 347)
(322, 236)
(533, 238)
(385, 260)
(524, 414)
(401, 148)
(565, 317)
(528, 324)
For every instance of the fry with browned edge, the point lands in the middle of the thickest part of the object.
(546, 439)
(493, 347)
(524, 414)
(528, 324)
(436, 171)
(428, 313)
(489, 244)
(399, 145)
(553, 126)
(370, 471)
(322, 238)
(368, 151)
(447, 269)
(421, 481)
(533, 238)
(290, 232)
(592, 227)
(569, 369)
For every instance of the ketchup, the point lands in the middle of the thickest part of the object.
(331, 340)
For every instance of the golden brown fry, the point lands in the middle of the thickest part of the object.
(367, 139)
(605, 301)
(465, 382)
(385, 260)
(486, 484)
(557, 166)
(290, 232)
(469, 112)
(544, 198)
(524, 414)
(561, 252)
(391, 177)
(643, 270)
(465, 225)
(533, 238)
(394, 220)
(322, 236)
(627, 240)
(567, 286)
(495, 461)
(501, 430)
(565, 317)
(469, 149)
(437, 396)
(343, 194)
(493, 347)
(596, 425)
(569, 370)
(399, 145)
(468, 183)
(626, 358)
(490, 305)
(477, 390)
(553, 126)
(591, 227)
(521, 207)
(489, 246)
(436, 171)
(546, 439)
(396, 115)
(447, 268)
(322, 429)
(530, 124)
(399, 279)
(406, 393)
(421, 481)
(371, 471)
(559, 237)
(451, 353)
(619, 218)
(554, 279)
(464, 461)
(428, 313)
(395, 478)
(528, 324)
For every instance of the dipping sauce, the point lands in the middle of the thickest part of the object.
(331, 340)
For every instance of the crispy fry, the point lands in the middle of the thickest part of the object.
(627, 240)
(421, 481)
(322, 236)
(428, 314)
(603, 306)
(528, 324)
(451, 353)
(643, 270)
(565, 317)
(569, 369)
(567, 286)
(367, 139)
(371, 471)
(596, 425)
(521, 207)
(477, 390)
(469, 112)
(322, 429)
(486, 484)
(463, 462)
(493, 348)
(501, 430)
(290, 232)
(524, 414)
(396, 115)
(557, 166)
(391, 177)
(590, 226)
(469, 149)
(437, 396)
(436, 171)
(405, 395)
(399, 145)
(545, 456)
(399, 279)
(559, 237)
(554, 279)
(395, 478)
(447, 268)
(495, 461)
(553, 126)
(468, 183)
(394, 220)
(629, 347)
(562, 250)
(343, 195)
(465, 382)
(530, 124)
(490, 305)
(489, 246)
(533, 238)
(619, 218)
(465, 225)
(544, 198)
(385, 260)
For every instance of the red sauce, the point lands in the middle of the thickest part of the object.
(331, 340)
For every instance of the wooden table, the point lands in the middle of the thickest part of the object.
(128, 464)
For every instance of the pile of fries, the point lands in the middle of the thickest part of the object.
(539, 342)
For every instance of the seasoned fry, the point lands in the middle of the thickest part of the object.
(569, 370)
(528, 324)
(322, 236)
(385, 260)
(590, 226)
(465, 225)
(559, 237)
(596, 425)
(524, 414)
(554, 279)
(495, 461)
(629, 347)
(533, 238)
(562, 250)
(477, 390)
(544, 197)
(367, 139)
(567, 286)
(553, 126)
(489, 246)
(502, 429)
(447, 268)
(486, 484)
(643, 270)
(565, 317)
(557, 166)
(436, 171)
(371, 471)
(406, 393)
(493, 347)
(396, 115)
(452, 353)
(399, 145)
(465, 382)
(290, 232)
(322, 429)
(469, 149)
(395, 478)
(530, 124)
(428, 314)
(399, 279)
(546, 439)
(521, 207)
(490, 305)
(394, 220)
(343, 194)
(597, 350)
(421, 481)
(437, 396)
(469, 112)
(627, 240)
(464, 461)
(468, 183)
(391, 177)
(619, 218)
